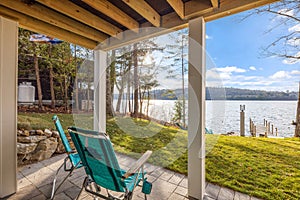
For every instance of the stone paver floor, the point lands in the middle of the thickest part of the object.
(35, 183)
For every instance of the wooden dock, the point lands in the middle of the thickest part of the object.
(263, 130)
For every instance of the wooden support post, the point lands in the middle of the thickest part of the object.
(269, 127)
(254, 131)
(266, 128)
(264, 122)
(100, 90)
(8, 106)
(272, 129)
(196, 111)
(276, 130)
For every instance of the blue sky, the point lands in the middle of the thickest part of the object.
(235, 48)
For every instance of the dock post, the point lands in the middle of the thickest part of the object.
(264, 122)
(250, 126)
(242, 120)
(276, 130)
(254, 130)
(272, 129)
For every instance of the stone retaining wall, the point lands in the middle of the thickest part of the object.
(37, 145)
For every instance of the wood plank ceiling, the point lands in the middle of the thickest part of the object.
(89, 22)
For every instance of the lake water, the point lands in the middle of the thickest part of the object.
(224, 116)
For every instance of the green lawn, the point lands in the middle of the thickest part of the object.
(262, 167)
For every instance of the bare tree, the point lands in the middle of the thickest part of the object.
(286, 13)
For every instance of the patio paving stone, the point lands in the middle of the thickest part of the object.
(226, 194)
(35, 183)
(212, 190)
(241, 196)
(176, 179)
(181, 191)
(166, 175)
(184, 182)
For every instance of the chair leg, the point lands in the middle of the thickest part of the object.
(54, 181)
(83, 186)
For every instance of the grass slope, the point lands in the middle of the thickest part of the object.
(262, 167)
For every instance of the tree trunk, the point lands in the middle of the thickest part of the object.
(119, 99)
(108, 94)
(297, 129)
(76, 83)
(76, 94)
(183, 90)
(128, 90)
(148, 103)
(135, 83)
(88, 99)
(141, 102)
(51, 76)
(112, 75)
(66, 93)
(38, 81)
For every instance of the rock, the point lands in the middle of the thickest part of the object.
(55, 134)
(45, 149)
(19, 132)
(25, 148)
(32, 132)
(39, 132)
(23, 133)
(60, 147)
(31, 139)
(26, 133)
(47, 133)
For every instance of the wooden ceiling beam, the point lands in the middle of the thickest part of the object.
(195, 8)
(171, 22)
(235, 6)
(145, 10)
(114, 12)
(178, 6)
(41, 27)
(38, 11)
(76, 12)
(215, 3)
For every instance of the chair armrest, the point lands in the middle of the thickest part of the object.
(138, 164)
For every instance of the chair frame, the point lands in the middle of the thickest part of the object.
(66, 160)
(136, 169)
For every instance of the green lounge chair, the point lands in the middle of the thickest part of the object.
(72, 157)
(102, 168)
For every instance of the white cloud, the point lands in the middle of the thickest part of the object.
(224, 73)
(294, 28)
(280, 75)
(279, 81)
(208, 37)
(230, 69)
(295, 72)
(252, 68)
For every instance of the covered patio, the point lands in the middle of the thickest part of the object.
(166, 184)
(104, 25)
